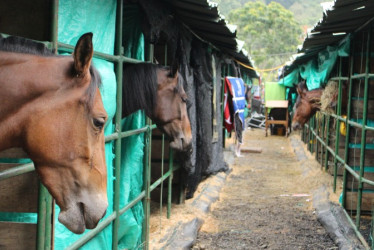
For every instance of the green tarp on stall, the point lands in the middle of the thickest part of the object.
(77, 17)
(317, 71)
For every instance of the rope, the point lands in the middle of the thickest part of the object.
(259, 70)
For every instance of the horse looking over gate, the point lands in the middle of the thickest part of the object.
(158, 91)
(51, 107)
(309, 102)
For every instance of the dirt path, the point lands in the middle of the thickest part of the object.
(266, 202)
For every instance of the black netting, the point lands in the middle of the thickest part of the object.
(194, 61)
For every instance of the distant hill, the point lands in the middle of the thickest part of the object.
(307, 12)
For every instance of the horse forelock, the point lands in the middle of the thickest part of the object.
(17, 44)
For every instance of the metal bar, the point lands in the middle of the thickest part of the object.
(146, 185)
(323, 138)
(48, 221)
(147, 172)
(118, 118)
(337, 130)
(42, 207)
(92, 233)
(162, 172)
(327, 143)
(363, 76)
(104, 223)
(311, 130)
(119, 135)
(338, 78)
(17, 170)
(309, 134)
(359, 235)
(110, 58)
(170, 182)
(363, 132)
(348, 125)
(317, 131)
(49, 229)
(341, 160)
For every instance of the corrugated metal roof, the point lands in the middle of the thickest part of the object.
(204, 19)
(346, 16)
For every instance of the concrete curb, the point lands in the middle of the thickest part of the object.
(331, 216)
(184, 235)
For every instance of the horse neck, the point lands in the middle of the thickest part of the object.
(18, 90)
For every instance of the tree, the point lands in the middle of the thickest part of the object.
(270, 32)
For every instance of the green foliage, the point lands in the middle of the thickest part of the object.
(270, 31)
(307, 12)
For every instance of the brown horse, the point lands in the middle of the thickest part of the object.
(160, 93)
(52, 108)
(307, 104)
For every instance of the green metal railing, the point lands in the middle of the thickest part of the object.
(321, 134)
(45, 207)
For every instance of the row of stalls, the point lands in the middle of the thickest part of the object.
(141, 168)
(340, 50)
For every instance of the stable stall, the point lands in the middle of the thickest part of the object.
(339, 50)
(190, 35)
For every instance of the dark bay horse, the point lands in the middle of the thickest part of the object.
(307, 104)
(52, 108)
(158, 91)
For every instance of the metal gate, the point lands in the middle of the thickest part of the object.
(324, 133)
(45, 208)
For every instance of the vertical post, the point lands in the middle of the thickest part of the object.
(363, 133)
(170, 182)
(337, 132)
(310, 134)
(223, 75)
(42, 207)
(147, 184)
(147, 170)
(118, 118)
(327, 142)
(44, 227)
(323, 129)
(317, 134)
(348, 126)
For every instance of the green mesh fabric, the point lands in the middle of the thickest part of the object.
(75, 18)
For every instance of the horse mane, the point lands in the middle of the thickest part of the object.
(18, 44)
(140, 87)
(22, 45)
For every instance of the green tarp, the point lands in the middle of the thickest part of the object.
(77, 17)
(317, 71)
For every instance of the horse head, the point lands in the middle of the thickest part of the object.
(307, 103)
(65, 139)
(159, 92)
(170, 111)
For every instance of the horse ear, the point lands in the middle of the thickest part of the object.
(299, 90)
(83, 53)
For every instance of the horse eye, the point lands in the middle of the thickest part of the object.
(184, 99)
(99, 122)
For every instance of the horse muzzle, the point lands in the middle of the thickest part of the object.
(181, 144)
(80, 216)
(296, 126)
